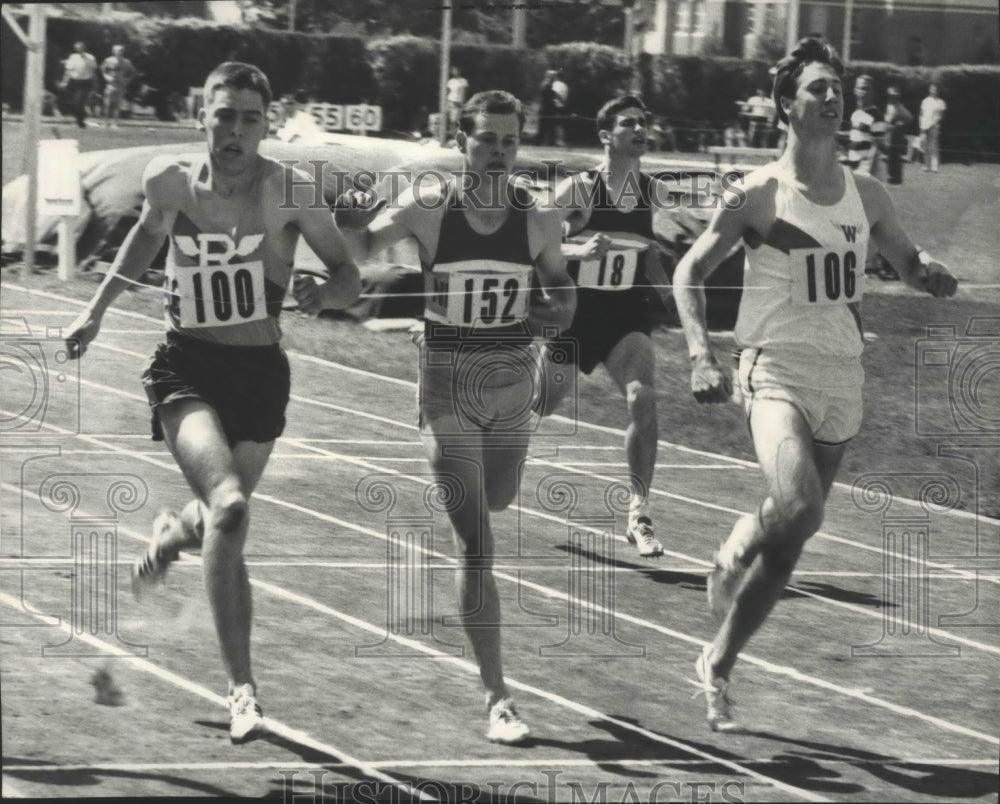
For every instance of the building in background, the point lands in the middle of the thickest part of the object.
(927, 32)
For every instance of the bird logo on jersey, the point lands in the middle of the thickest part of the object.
(216, 248)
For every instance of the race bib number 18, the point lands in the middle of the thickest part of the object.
(615, 272)
(824, 277)
(218, 295)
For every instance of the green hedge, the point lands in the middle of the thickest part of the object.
(173, 55)
(401, 74)
(406, 70)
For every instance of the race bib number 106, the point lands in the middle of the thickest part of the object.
(825, 277)
(218, 295)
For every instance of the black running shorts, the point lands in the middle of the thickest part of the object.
(602, 319)
(248, 386)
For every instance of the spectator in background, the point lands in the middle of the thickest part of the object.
(733, 135)
(552, 102)
(932, 109)
(866, 140)
(79, 77)
(561, 90)
(662, 135)
(299, 124)
(867, 135)
(117, 72)
(760, 113)
(456, 90)
(897, 120)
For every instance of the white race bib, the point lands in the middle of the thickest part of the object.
(478, 293)
(826, 277)
(615, 272)
(218, 295)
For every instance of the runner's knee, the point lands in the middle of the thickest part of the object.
(229, 510)
(796, 518)
(641, 399)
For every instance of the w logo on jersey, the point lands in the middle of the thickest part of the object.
(850, 231)
(216, 249)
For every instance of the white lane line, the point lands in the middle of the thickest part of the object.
(789, 672)
(56, 562)
(774, 668)
(423, 480)
(380, 631)
(568, 467)
(554, 763)
(273, 726)
(586, 425)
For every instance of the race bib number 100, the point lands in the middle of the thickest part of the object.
(218, 295)
(824, 277)
(478, 299)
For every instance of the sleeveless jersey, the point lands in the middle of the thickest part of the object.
(226, 283)
(803, 283)
(621, 269)
(479, 282)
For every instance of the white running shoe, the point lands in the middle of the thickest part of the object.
(640, 534)
(246, 719)
(151, 568)
(722, 584)
(506, 725)
(716, 692)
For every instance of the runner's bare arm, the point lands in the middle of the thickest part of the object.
(554, 301)
(573, 199)
(709, 382)
(915, 267)
(139, 249)
(343, 286)
(368, 232)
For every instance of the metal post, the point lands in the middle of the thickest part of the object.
(291, 15)
(445, 69)
(793, 25)
(519, 27)
(34, 79)
(845, 51)
(629, 44)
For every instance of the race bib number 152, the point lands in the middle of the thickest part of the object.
(820, 276)
(480, 299)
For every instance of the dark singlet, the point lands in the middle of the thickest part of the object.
(479, 285)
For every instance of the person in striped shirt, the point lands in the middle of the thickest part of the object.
(866, 138)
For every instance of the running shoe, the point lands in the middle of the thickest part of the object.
(151, 568)
(246, 719)
(716, 692)
(722, 585)
(640, 534)
(506, 725)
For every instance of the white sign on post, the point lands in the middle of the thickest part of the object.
(59, 193)
(359, 117)
(59, 177)
(362, 117)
